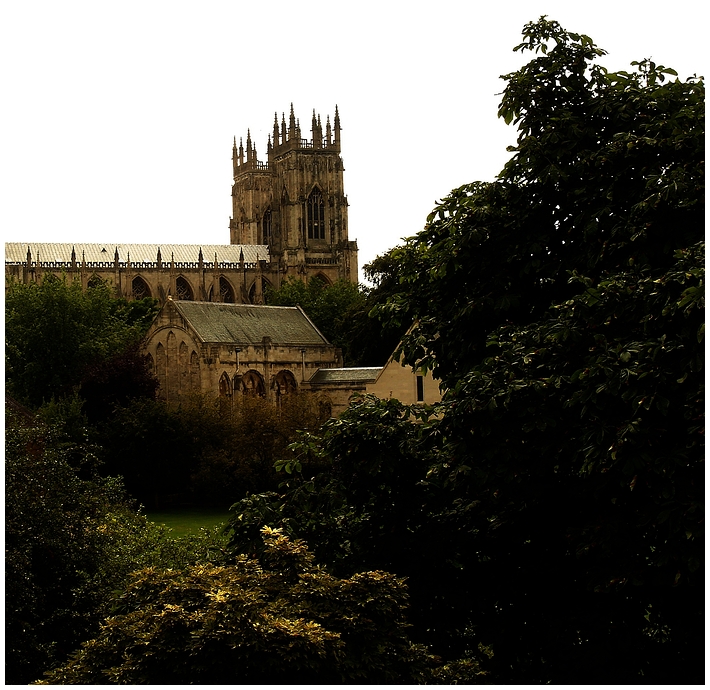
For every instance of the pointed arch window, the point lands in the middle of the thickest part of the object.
(315, 215)
(183, 289)
(265, 285)
(284, 384)
(253, 384)
(266, 227)
(226, 294)
(225, 385)
(94, 281)
(140, 288)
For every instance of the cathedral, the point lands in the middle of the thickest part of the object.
(214, 334)
(289, 219)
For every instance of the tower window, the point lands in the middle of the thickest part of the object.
(315, 219)
(266, 227)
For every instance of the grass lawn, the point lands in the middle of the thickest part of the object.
(188, 521)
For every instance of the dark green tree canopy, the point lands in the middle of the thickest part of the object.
(561, 482)
(608, 173)
(328, 306)
(342, 312)
(56, 332)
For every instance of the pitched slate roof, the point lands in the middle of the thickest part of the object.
(346, 375)
(248, 324)
(103, 252)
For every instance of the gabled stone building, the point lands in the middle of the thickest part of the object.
(236, 349)
(230, 350)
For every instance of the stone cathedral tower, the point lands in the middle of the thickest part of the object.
(295, 202)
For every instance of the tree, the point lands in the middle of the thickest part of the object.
(561, 482)
(329, 306)
(71, 538)
(371, 506)
(202, 451)
(55, 331)
(562, 307)
(280, 620)
(370, 342)
(607, 176)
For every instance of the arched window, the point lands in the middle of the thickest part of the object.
(252, 291)
(284, 384)
(94, 281)
(161, 365)
(183, 289)
(253, 384)
(225, 385)
(226, 294)
(140, 288)
(194, 371)
(266, 232)
(315, 215)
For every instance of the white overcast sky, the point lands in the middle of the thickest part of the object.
(118, 117)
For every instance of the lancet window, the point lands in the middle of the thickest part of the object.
(266, 228)
(315, 215)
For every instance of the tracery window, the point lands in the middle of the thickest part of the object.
(266, 231)
(226, 294)
(315, 215)
(183, 289)
(140, 288)
(252, 290)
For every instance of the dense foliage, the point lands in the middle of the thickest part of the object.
(328, 306)
(203, 451)
(556, 496)
(342, 312)
(279, 620)
(57, 335)
(71, 539)
(548, 514)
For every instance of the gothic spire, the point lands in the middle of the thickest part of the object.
(336, 128)
(276, 130)
(291, 124)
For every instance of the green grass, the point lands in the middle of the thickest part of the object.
(188, 521)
